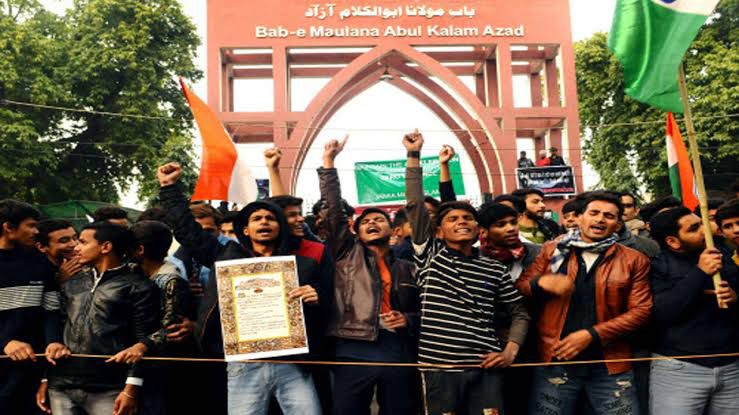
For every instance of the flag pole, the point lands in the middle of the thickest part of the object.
(698, 170)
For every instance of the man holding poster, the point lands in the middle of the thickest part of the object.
(262, 232)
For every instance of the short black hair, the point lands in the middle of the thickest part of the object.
(153, 213)
(14, 212)
(522, 193)
(155, 236)
(516, 201)
(631, 195)
(229, 217)
(652, 208)
(492, 212)
(447, 207)
(109, 212)
(284, 201)
(574, 205)
(713, 203)
(322, 204)
(366, 212)
(727, 211)
(604, 196)
(666, 224)
(432, 201)
(45, 227)
(400, 218)
(121, 238)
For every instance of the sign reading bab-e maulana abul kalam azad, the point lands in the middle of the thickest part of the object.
(377, 22)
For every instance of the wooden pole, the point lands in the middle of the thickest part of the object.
(698, 172)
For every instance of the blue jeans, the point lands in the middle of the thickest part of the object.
(682, 387)
(76, 401)
(251, 385)
(556, 389)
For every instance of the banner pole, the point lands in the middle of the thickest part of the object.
(698, 172)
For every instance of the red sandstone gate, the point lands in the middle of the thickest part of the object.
(422, 48)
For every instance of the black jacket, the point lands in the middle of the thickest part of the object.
(118, 312)
(207, 249)
(687, 321)
(358, 285)
(549, 228)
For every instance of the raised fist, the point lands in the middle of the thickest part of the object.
(272, 157)
(446, 153)
(169, 173)
(334, 147)
(413, 141)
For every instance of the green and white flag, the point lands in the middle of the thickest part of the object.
(649, 38)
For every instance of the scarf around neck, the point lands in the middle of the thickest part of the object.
(573, 239)
(504, 255)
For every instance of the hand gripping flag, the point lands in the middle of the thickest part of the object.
(678, 162)
(223, 175)
(649, 38)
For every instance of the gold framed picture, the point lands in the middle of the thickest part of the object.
(257, 320)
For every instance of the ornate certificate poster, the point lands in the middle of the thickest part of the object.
(256, 318)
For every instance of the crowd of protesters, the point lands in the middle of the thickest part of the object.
(425, 311)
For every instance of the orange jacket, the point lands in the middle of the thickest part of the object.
(623, 301)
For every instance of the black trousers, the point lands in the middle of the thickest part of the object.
(398, 390)
(471, 392)
(18, 385)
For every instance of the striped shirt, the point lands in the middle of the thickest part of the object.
(29, 299)
(458, 299)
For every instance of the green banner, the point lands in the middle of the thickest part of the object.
(384, 181)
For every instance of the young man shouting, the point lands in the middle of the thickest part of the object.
(262, 231)
(375, 312)
(593, 293)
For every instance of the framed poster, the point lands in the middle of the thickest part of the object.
(257, 320)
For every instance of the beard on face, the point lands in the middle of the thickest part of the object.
(379, 241)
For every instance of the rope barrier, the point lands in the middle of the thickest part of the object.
(288, 125)
(415, 365)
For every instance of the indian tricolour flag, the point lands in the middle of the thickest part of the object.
(678, 162)
(649, 38)
(223, 174)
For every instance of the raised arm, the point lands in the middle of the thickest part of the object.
(202, 244)
(418, 216)
(339, 237)
(272, 157)
(446, 186)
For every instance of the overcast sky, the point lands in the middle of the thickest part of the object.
(382, 105)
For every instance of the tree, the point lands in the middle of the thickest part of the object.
(118, 56)
(31, 56)
(628, 156)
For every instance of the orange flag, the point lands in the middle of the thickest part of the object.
(223, 175)
(678, 163)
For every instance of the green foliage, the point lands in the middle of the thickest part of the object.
(120, 56)
(629, 156)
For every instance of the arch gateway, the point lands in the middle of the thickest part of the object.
(421, 48)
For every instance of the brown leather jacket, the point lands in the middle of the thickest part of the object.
(623, 301)
(357, 282)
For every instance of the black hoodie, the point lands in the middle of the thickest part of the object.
(206, 249)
